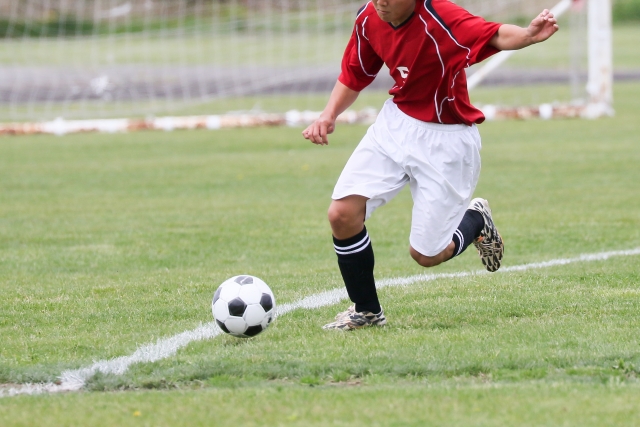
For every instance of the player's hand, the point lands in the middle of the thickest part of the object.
(317, 131)
(542, 27)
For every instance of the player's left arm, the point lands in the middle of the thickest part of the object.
(512, 37)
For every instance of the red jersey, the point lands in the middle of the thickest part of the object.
(426, 56)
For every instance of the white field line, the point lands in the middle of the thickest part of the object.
(74, 380)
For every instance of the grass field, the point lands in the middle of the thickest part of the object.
(110, 242)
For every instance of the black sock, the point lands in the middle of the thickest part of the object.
(468, 230)
(355, 259)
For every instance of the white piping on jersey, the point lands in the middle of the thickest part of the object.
(364, 22)
(360, 56)
(435, 97)
(441, 104)
(447, 31)
(363, 9)
(358, 36)
(453, 83)
(426, 30)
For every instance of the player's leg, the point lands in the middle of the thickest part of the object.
(476, 227)
(432, 261)
(353, 248)
(356, 262)
(467, 232)
(369, 180)
(454, 181)
(446, 168)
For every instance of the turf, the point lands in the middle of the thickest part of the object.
(108, 242)
(402, 403)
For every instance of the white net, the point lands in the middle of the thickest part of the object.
(117, 58)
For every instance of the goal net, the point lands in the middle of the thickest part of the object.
(92, 59)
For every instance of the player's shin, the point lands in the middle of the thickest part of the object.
(356, 262)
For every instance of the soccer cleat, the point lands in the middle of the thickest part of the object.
(351, 319)
(489, 244)
(348, 312)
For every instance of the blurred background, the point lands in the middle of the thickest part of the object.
(118, 58)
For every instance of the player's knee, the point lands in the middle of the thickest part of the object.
(340, 216)
(424, 261)
(346, 216)
(333, 214)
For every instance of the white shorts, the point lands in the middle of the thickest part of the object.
(441, 164)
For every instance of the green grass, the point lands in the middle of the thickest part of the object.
(398, 403)
(626, 11)
(108, 242)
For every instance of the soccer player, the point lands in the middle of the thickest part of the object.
(424, 136)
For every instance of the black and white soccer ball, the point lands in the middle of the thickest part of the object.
(243, 306)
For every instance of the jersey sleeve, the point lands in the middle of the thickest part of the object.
(360, 64)
(470, 31)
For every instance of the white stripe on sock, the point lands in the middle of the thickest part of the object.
(344, 248)
(364, 243)
(460, 241)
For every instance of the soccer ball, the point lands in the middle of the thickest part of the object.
(243, 306)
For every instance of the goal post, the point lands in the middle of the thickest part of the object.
(476, 78)
(600, 82)
(599, 85)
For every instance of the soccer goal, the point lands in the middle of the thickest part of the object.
(189, 63)
(570, 75)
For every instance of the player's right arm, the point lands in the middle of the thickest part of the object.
(341, 98)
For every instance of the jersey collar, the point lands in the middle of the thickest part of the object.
(403, 23)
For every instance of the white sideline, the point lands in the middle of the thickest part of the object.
(74, 380)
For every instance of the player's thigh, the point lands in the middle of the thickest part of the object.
(445, 175)
(371, 173)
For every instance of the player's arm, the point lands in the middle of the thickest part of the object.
(512, 37)
(341, 98)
